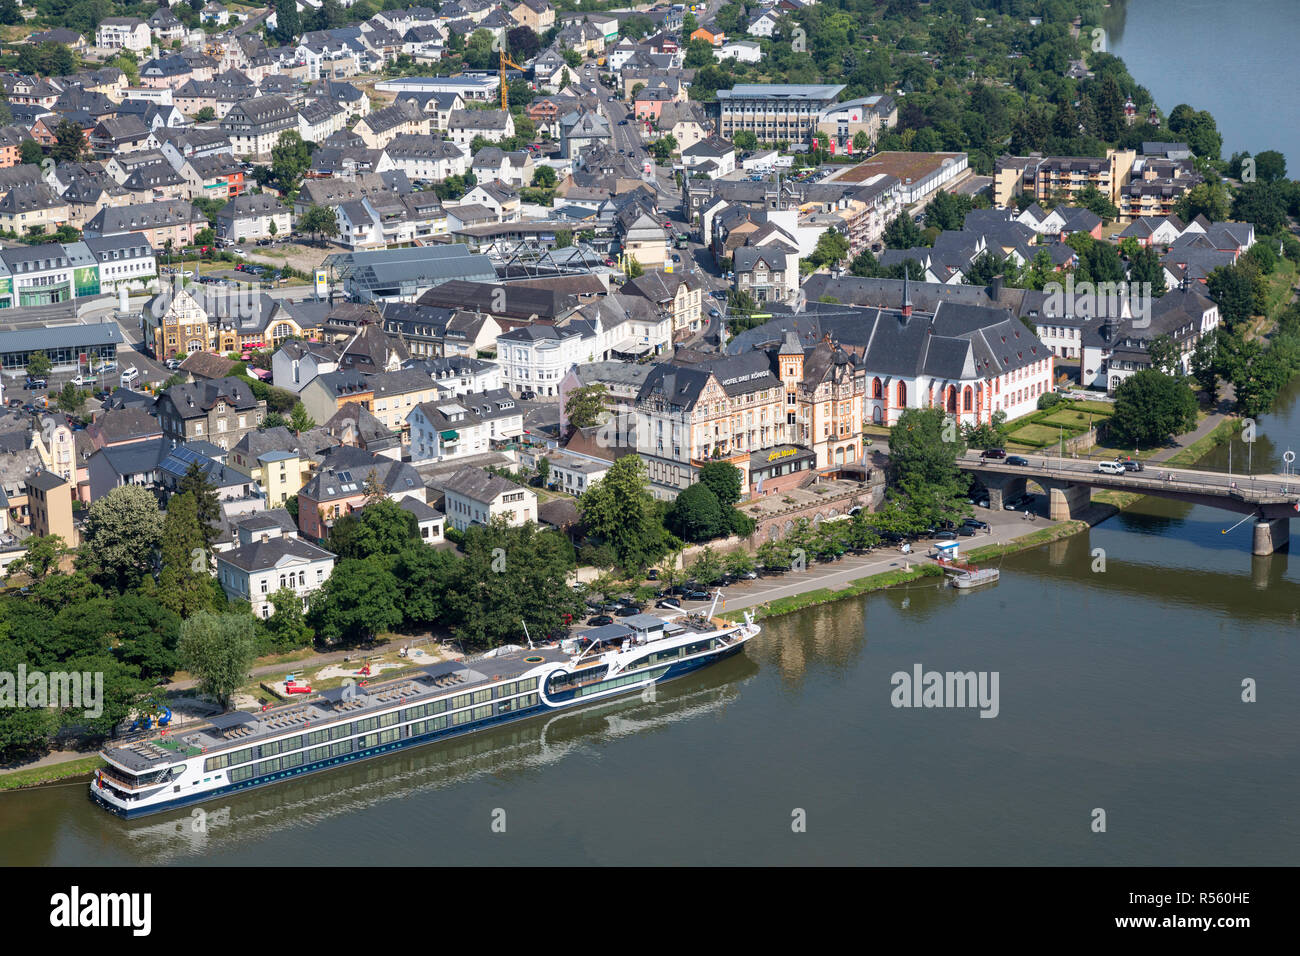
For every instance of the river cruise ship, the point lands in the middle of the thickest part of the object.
(239, 750)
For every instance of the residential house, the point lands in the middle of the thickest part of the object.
(221, 411)
(253, 217)
(475, 496)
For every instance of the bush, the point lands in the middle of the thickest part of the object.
(1049, 399)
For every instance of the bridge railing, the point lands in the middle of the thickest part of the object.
(1152, 475)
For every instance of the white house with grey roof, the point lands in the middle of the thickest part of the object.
(268, 558)
(535, 358)
(462, 426)
(475, 496)
(492, 125)
(259, 216)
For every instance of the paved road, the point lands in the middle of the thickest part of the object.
(1177, 479)
(836, 575)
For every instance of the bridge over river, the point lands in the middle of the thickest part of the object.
(1068, 482)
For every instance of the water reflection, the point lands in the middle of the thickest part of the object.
(509, 753)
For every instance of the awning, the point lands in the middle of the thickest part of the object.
(632, 347)
(449, 436)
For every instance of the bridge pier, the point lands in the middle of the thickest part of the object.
(1068, 501)
(1272, 536)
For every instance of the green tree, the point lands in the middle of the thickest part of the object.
(289, 160)
(319, 221)
(207, 507)
(1092, 198)
(634, 269)
(585, 405)
(184, 584)
(1150, 406)
(696, 515)
(619, 510)
(286, 628)
(544, 177)
(300, 420)
(424, 577)
(121, 532)
(359, 600)
(69, 142)
(38, 365)
(381, 528)
(1164, 354)
(903, 233)
(1204, 199)
(744, 140)
(43, 554)
(206, 115)
(218, 650)
(288, 24)
(72, 399)
(512, 582)
(1233, 290)
(832, 247)
(724, 480)
(861, 142)
(30, 152)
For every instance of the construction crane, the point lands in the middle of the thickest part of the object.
(505, 93)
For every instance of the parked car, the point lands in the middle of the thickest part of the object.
(15, 403)
(652, 574)
(600, 620)
(33, 384)
(108, 367)
(748, 576)
(976, 523)
(527, 395)
(696, 595)
(1018, 502)
(945, 536)
(1017, 460)
(80, 380)
(668, 604)
(627, 610)
(993, 453)
(622, 123)
(966, 531)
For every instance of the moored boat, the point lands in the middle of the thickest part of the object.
(239, 750)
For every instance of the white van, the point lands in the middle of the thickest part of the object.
(130, 377)
(1110, 468)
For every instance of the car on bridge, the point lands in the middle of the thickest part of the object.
(993, 453)
(1110, 468)
(1132, 464)
(1018, 461)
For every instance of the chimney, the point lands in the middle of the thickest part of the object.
(907, 294)
(995, 290)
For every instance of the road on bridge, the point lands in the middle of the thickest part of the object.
(1250, 488)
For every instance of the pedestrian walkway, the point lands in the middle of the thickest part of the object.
(1207, 425)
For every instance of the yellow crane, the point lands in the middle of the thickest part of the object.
(505, 93)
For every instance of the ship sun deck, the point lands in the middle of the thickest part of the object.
(239, 728)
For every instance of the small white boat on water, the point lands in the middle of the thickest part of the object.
(966, 578)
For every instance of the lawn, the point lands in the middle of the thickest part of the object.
(1035, 434)
(1072, 419)
(1100, 408)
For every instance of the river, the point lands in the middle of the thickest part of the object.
(1226, 57)
(1119, 688)
(1120, 655)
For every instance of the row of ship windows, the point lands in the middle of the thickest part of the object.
(344, 747)
(339, 731)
